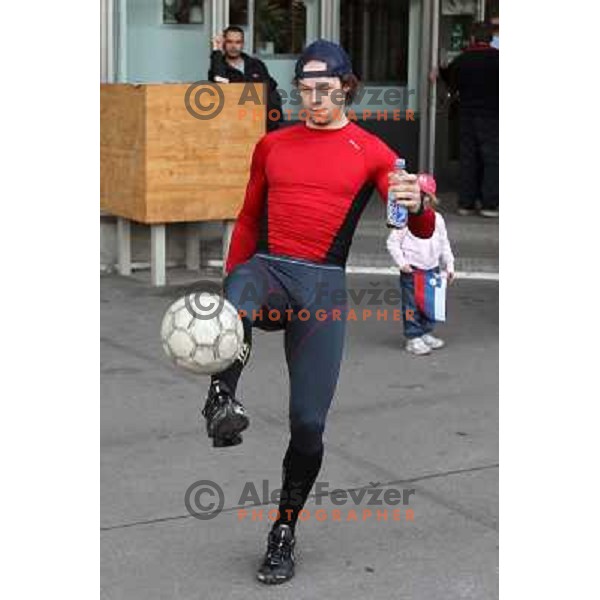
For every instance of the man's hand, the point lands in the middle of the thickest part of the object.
(450, 276)
(406, 190)
(406, 269)
(217, 42)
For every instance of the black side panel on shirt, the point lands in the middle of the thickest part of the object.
(263, 231)
(340, 245)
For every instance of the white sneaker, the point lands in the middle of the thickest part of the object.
(433, 342)
(417, 346)
(465, 212)
(489, 214)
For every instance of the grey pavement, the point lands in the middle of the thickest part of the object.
(426, 423)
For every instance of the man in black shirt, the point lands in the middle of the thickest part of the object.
(474, 74)
(228, 63)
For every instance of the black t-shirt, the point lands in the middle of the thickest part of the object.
(475, 75)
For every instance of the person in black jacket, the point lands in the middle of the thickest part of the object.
(474, 75)
(228, 63)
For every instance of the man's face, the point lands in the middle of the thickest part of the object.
(322, 97)
(233, 44)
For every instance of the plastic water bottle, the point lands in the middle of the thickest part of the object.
(397, 215)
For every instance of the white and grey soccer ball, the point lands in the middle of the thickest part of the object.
(202, 333)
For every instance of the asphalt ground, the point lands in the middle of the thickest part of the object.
(397, 422)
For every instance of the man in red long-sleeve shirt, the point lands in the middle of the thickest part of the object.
(308, 186)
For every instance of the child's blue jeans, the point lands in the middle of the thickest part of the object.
(416, 323)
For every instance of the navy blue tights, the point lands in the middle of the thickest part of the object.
(306, 300)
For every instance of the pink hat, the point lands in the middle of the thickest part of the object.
(427, 183)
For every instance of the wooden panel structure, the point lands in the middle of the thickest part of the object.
(160, 164)
(122, 150)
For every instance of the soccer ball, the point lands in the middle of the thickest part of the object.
(202, 333)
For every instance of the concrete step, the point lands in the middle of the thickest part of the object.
(474, 240)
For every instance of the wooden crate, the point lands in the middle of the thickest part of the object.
(159, 164)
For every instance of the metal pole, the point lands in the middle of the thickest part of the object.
(123, 246)
(250, 43)
(365, 40)
(219, 16)
(335, 21)
(435, 30)
(110, 46)
(424, 84)
(225, 13)
(324, 19)
(193, 235)
(481, 10)
(103, 38)
(214, 18)
(121, 48)
(158, 254)
(330, 20)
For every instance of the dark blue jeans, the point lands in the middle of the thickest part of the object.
(415, 322)
(478, 162)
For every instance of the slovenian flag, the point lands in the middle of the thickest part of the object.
(430, 293)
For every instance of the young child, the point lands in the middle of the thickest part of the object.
(412, 253)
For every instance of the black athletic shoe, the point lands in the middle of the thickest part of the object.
(278, 564)
(225, 417)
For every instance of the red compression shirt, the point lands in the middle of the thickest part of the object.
(307, 190)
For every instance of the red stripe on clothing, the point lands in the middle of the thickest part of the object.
(419, 282)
